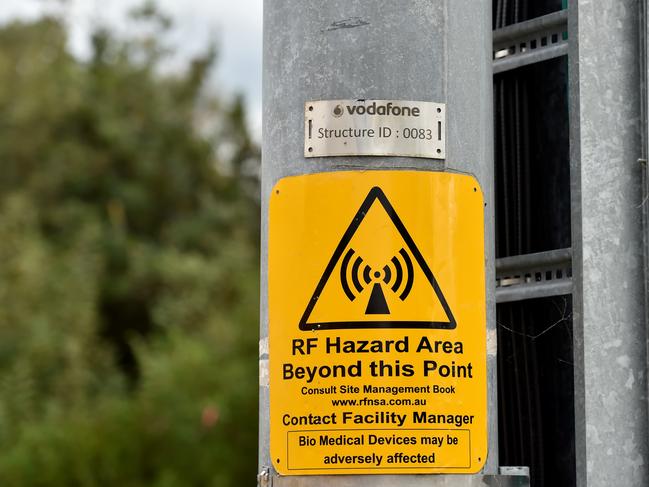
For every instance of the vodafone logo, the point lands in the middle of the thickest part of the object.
(382, 109)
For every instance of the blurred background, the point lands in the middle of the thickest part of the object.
(129, 242)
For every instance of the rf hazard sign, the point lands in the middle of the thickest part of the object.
(377, 324)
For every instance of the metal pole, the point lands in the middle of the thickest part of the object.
(611, 428)
(428, 50)
(644, 108)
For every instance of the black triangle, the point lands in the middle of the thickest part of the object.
(377, 305)
(376, 194)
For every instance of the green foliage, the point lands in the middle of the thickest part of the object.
(128, 266)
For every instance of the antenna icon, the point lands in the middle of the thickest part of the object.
(397, 276)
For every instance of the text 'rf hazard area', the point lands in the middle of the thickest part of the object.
(377, 324)
(396, 405)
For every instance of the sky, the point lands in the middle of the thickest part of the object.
(235, 25)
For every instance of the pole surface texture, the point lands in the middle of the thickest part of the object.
(610, 336)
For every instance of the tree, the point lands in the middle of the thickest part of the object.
(128, 266)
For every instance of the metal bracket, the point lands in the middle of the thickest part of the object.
(517, 480)
(532, 276)
(530, 42)
(520, 471)
(264, 478)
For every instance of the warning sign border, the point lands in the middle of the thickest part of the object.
(376, 193)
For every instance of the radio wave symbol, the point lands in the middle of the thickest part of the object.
(397, 275)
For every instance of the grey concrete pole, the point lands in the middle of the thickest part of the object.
(611, 430)
(426, 50)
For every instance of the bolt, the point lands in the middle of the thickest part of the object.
(263, 478)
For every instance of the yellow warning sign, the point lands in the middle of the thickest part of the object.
(377, 324)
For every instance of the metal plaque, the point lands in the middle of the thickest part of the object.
(377, 324)
(374, 128)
